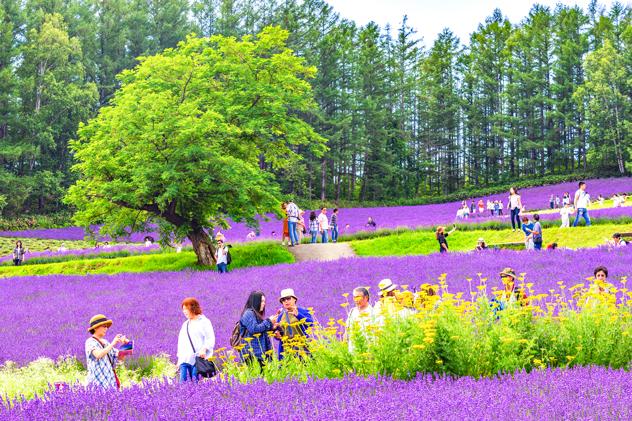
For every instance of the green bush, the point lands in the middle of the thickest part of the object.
(29, 222)
(41, 375)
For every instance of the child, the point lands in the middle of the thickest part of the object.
(527, 228)
(566, 212)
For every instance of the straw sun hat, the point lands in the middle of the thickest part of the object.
(99, 320)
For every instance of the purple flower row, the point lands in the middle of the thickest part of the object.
(573, 394)
(50, 313)
(132, 248)
(352, 220)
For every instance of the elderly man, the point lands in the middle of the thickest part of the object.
(294, 323)
(359, 319)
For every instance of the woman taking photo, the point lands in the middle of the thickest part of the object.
(196, 339)
(441, 238)
(256, 329)
(101, 355)
(514, 206)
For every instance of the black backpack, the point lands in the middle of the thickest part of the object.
(229, 258)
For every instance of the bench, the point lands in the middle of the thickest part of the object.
(507, 246)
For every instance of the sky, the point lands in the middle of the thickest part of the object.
(429, 17)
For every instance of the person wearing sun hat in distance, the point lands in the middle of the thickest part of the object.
(294, 323)
(101, 355)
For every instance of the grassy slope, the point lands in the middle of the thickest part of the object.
(35, 244)
(424, 242)
(253, 254)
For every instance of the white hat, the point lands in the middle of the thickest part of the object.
(288, 292)
(386, 285)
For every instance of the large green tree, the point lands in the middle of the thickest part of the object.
(183, 141)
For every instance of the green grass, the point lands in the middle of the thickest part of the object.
(424, 242)
(253, 254)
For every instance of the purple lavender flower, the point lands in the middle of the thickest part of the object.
(146, 306)
(578, 393)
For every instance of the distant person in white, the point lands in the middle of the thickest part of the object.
(581, 202)
(200, 331)
(323, 225)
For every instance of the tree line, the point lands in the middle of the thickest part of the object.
(551, 94)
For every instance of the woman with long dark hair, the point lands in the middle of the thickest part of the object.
(514, 206)
(256, 329)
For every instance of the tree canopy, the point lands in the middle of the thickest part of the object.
(186, 136)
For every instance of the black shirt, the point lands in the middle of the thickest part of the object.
(442, 240)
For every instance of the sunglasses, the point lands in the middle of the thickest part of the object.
(284, 299)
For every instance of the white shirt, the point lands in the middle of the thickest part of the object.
(582, 198)
(513, 201)
(293, 212)
(221, 255)
(323, 222)
(202, 336)
(360, 320)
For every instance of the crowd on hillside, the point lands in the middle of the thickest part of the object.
(289, 328)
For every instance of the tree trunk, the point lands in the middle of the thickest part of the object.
(203, 246)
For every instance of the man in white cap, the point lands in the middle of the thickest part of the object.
(294, 323)
(360, 319)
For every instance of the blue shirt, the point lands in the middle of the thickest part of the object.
(527, 228)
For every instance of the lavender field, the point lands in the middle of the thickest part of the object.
(398, 216)
(574, 394)
(146, 307)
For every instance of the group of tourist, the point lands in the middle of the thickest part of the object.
(295, 226)
(491, 208)
(290, 326)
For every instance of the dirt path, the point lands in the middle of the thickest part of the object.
(329, 251)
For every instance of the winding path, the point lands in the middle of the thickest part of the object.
(329, 251)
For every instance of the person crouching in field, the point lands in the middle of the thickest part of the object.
(294, 323)
(101, 356)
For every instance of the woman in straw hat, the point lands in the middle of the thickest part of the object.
(101, 355)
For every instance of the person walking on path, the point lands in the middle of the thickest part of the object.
(359, 320)
(256, 330)
(313, 226)
(441, 238)
(323, 225)
(294, 324)
(537, 233)
(101, 356)
(514, 206)
(527, 228)
(581, 202)
(196, 339)
(18, 253)
(334, 226)
(286, 228)
(221, 255)
(293, 214)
